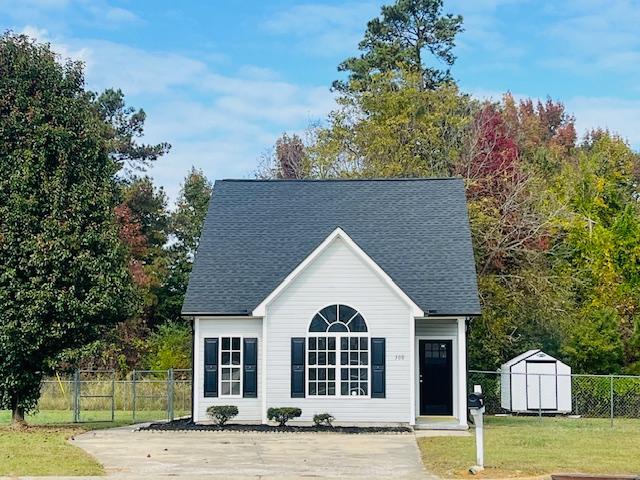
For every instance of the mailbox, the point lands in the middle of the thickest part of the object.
(475, 400)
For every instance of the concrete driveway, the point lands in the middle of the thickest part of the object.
(141, 454)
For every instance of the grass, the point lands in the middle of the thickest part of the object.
(42, 448)
(44, 451)
(101, 417)
(529, 446)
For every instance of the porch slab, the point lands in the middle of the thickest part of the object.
(439, 423)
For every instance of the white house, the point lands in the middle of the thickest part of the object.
(349, 297)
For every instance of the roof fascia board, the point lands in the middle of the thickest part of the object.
(260, 310)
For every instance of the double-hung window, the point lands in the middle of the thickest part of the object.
(231, 366)
(338, 353)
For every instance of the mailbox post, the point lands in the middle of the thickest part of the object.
(476, 405)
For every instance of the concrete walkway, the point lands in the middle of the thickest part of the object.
(134, 454)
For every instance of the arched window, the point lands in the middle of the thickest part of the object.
(338, 318)
(338, 353)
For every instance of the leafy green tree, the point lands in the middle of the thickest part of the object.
(192, 205)
(126, 127)
(407, 36)
(63, 271)
(389, 131)
(601, 247)
(186, 225)
(595, 344)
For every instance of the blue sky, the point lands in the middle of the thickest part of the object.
(221, 80)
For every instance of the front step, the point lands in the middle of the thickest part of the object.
(438, 423)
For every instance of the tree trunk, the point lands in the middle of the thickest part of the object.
(17, 413)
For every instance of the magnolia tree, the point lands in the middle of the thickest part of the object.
(63, 272)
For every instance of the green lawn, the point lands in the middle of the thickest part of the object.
(527, 446)
(122, 417)
(42, 449)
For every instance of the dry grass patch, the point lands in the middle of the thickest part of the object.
(41, 450)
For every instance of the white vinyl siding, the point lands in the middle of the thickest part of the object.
(339, 275)
(434, 327)
(249, 409)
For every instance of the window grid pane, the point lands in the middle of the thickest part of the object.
(331, 356)
(321, 358)
(231, 369)
(354, 355)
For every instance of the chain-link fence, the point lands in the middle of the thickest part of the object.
(102, 395)
(598, 396)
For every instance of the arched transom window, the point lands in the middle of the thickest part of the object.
(338, 353)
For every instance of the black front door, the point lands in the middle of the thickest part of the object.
(436, 377)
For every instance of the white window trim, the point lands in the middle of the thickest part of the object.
(220, 366)
(338, 364)
(455, 383)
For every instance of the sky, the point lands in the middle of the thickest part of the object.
(221, 80)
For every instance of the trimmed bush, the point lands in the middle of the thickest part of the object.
(222, 413)
(283, 414)
(321, 419)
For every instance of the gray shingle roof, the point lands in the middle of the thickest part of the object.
(256, 232)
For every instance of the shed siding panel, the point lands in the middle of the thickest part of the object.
(249, 409)
(339, 275)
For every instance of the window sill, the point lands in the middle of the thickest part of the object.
(336, 397)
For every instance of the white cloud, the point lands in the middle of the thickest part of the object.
(97, 13)
(324, 30)
(219, 122)
(484, 33)
(595, 35)
(621, 116)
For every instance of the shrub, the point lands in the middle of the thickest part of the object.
(323, 419)
(169, 347)
(222, 413)
(283, 414)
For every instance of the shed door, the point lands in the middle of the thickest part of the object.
(542, 386)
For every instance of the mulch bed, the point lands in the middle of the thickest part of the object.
(186, 424)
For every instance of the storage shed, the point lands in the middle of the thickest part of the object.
(536, 381)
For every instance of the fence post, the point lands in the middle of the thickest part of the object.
(113, 396)
(611, 397)
(133, 394)
(540, 396)
(170, 392)
(76, 396)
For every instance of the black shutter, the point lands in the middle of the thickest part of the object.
(378, 368)
(297, 367)
(210, 367)
(250, 361)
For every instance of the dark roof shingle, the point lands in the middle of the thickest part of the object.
(256, 232)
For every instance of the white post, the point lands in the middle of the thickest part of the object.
(263, 383)
(198, 369)
(462, 372)
(479, 423)
(479, 418)
(412, 370)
